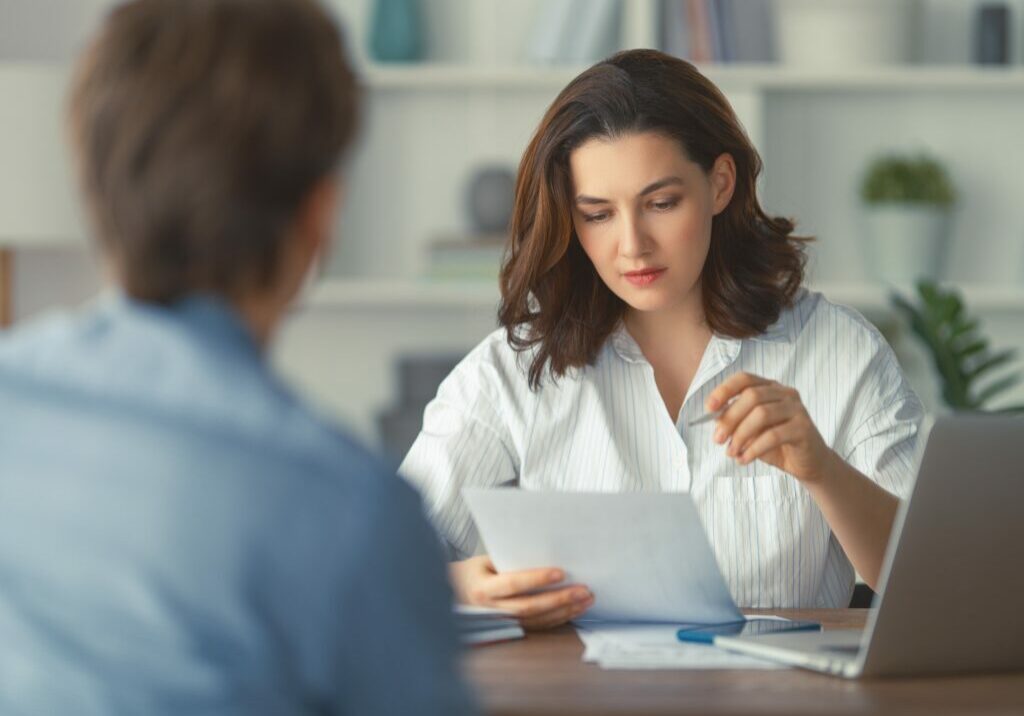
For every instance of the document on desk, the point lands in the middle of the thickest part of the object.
(655, 646)
(643, 555)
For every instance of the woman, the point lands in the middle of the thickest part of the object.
(643, 286)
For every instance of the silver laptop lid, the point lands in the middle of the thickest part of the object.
(954, 571)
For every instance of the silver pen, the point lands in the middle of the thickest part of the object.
(713, 415)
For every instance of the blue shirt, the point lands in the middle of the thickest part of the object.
(180, 534)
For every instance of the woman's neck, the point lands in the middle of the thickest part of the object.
(677, 330)
(673, 341)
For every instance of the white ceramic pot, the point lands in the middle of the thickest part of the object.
(842, 33)
(905, 242)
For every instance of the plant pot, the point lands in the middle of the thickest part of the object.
(842, 33)
(905, 242)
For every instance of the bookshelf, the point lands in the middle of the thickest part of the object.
(474, 98)
(752, 77)
(474, 101)
(426, 296)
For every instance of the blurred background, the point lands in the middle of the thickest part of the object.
(890, 130)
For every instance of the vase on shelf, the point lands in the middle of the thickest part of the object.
(992, 34)
(490, 193)
(396, 31)
(906, 243)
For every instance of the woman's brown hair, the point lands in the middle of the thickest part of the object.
(552, 298)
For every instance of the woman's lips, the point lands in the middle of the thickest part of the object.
(645, 277)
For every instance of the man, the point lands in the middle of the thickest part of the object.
(178, 532)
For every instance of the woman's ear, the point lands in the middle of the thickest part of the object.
(723, 182)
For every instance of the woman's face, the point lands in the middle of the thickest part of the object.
(642, 211)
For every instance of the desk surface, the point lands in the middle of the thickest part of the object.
(543, 674)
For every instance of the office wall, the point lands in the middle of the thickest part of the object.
(340, 355)
(50, 30)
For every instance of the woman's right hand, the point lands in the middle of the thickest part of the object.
(476, 581)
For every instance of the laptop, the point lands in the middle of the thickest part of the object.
(952, 576)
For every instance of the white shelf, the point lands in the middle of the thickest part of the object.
(937, 78)
(748, 77)
(413, 296)
(410, 295)
(874, 298)
(466, 77)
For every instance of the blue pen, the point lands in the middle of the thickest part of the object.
(706, 633)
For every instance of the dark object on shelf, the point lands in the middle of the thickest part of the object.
(418, 379)
(396, 31)
(419, 376)
(992, 35)
(398, 428)
(489, 197)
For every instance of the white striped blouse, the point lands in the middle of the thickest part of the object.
(605, 428)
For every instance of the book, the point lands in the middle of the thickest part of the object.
(596, 32)
(481, 625)
(675, 30)
(491, 636)
(752, 31)
(724, 16)
(718, 30)
(469, 259)
(714, 20)
(552, 29)
(700, 30)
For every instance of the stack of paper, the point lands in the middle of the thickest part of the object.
(655, 646)
(479, 625)
(458, 259)
(643, 555)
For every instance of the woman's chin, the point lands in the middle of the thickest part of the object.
(646, 301)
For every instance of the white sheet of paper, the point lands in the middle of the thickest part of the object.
(644, 556)
(644, 646)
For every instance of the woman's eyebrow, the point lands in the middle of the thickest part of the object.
(652, 187)
(584, 199)
(661, 184)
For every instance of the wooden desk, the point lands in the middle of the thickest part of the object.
(543, 674)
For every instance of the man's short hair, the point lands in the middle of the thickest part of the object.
(200, 127)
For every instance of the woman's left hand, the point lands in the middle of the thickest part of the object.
(767, 421)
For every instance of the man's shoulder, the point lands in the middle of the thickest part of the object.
(330, 451)
(23, 345)
(177, 392)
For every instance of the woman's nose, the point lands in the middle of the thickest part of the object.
(634, 241)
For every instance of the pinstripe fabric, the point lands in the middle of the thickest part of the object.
(605, 428)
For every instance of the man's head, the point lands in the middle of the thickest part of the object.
(207, 134)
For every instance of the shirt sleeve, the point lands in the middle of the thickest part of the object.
(349, 591)
(888, 415)
(465, 442)
(400, 654)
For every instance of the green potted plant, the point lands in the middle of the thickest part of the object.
(962, 357)
(907, 207)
